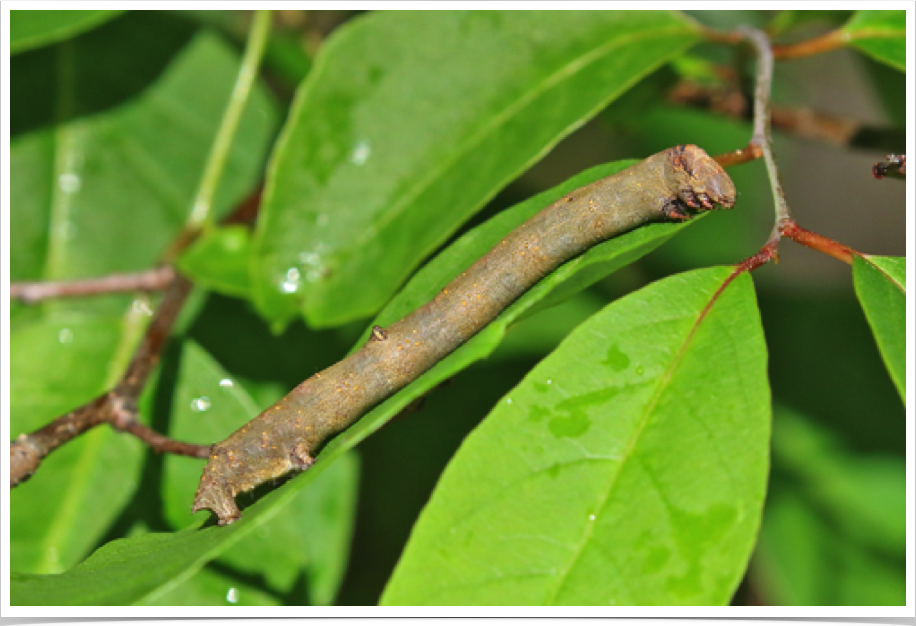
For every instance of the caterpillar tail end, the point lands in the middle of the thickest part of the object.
(214, 494)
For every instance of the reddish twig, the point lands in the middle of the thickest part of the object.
(736, 157)
(817, 242)
(827, 42)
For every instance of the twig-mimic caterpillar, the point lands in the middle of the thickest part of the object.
(287, 435)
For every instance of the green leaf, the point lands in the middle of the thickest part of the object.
(107, 192)
(59, 362)
(410, 121)
(218, 260)
(32, 29)
(629, 467)
(881, 35)
(142, 569)
(881, 288)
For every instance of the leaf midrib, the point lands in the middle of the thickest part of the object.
(628, 454)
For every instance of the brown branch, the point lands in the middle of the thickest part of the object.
(155, 279)
(117, 407)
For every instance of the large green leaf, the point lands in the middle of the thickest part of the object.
(880, 34)
(31, 29)
(410, 121)
(629, 467)
(881, 288)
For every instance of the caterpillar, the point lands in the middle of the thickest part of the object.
(286, 436)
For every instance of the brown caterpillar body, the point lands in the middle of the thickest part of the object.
(287, 435)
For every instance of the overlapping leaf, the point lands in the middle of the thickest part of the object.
(881, 288)
(410, 122)
(880, 34)
(32, 29)
(629, 467)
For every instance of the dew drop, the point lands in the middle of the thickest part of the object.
(361, 152)
(226, 382)
(141, 306)
(315, 267)
(508, 400)
(640, 370)
(233, 595)
(291, 281)
(201, 404)
(65, 335)
(69, 182)
(591, 517)
(549, 381)
(310, 258)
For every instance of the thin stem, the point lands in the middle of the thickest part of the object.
(818, 242)
(761, 136)
(201, 212)
(818, 45)
(155, 279)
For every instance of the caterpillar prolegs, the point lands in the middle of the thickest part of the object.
(287, 436)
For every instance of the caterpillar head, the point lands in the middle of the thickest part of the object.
(700, 182)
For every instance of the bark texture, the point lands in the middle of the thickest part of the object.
(287, 436)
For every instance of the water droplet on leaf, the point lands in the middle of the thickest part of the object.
(360, 153)
(69, 182)
(201, 404)
(65, 335)
(233, 595)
